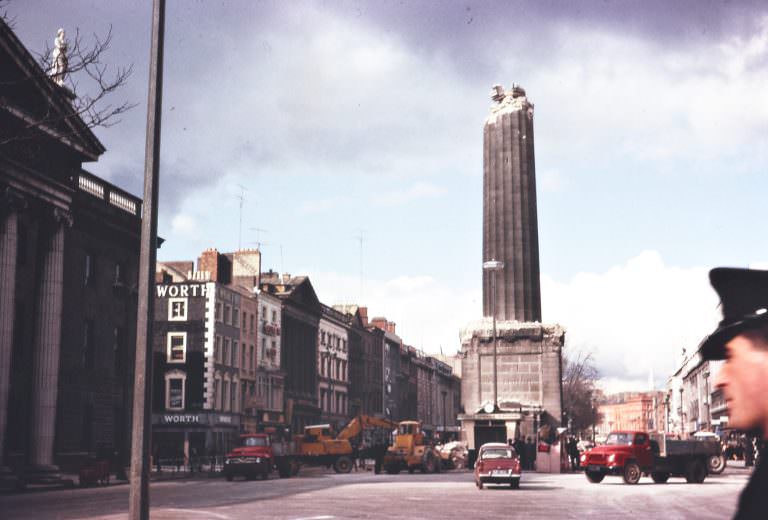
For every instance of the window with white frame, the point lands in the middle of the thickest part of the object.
(177, 347)
(236, 317)
(177, 309)
(227, 314)
(175, 386)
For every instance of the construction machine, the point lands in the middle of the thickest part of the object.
(411, 451)
(364, 436)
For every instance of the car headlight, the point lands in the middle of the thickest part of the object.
(258, 459)
(611, 458)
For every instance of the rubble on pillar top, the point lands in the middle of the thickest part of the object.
(483, 328)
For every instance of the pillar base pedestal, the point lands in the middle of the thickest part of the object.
(9, 480)
(47, 475)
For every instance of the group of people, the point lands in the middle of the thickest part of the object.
(526, 449)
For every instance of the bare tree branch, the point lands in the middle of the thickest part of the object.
(91, 87)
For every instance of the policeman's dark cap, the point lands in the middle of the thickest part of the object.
(744, 303)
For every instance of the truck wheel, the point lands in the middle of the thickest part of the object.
(660, 477)
(343, 465)
(594, 476)
(632, 473)
(716, 464)
(696, 472)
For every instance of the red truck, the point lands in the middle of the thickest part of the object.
(632, 454)
(254, 457)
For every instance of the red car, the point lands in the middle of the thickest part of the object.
(497, 463)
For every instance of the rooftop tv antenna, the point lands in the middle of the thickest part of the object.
(258, 231)
(360, 237)
(241, 198)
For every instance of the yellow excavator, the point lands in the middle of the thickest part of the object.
(411, 451)
(364, 437)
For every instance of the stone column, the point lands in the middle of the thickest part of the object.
(47, 343)
(11, 204)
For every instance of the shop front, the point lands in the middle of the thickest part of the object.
(181, 437)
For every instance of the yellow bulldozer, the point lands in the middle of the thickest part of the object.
(411, 451)
(364, 437)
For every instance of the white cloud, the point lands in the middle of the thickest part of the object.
(323, 205)
(185, 226)
(420, 190)
(635, 99)
(636, 317)
(551, 180)
(428, 313)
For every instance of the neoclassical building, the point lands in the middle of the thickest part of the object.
(69, 251)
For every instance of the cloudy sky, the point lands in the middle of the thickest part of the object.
(349, 119)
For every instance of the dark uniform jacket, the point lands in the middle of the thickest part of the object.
(753, 502)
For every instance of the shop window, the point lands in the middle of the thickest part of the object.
(177, 309)
(175, 386)
(177, 347)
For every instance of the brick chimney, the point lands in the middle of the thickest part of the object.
(209, 261)
(379, 323)
(363, 315)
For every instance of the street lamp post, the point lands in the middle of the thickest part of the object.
(492, 266)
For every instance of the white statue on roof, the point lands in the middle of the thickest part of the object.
(59, 59)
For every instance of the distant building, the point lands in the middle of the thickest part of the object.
(333, 367)
(639, 411)
(694, 404)
(301, 312)
(391, 365)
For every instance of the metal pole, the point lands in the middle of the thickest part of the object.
(493, 311)
(138, 508)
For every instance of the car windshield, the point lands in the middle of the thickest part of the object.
(498, 453)
(619, 439)
(255, 441)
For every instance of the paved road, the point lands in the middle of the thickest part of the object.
(363, 495)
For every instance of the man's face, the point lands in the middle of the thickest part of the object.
(744, 380)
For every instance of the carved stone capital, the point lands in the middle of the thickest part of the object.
(62, 217)
(12, 200)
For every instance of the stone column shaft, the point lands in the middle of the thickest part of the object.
(8, 254)
(47, 343)
(510, 228)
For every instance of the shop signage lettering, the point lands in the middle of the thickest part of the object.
(225, 419)
(182, 290)
(181, 419)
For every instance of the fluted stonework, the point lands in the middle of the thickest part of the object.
(47, 343)
(8, 248)
(510, 228)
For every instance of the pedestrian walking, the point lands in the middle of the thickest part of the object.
(741, 339)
